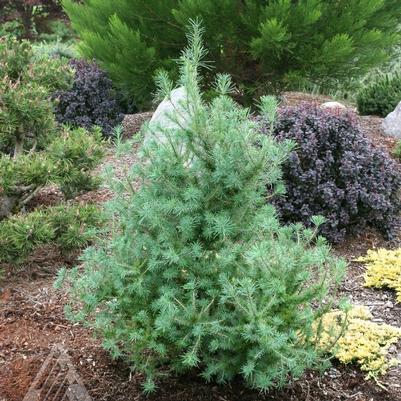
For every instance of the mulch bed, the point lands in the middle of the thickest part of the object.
(32, 320)
(132, 123)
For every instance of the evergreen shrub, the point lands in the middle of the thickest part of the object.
(383, 269)
(74, 154)
(68, 162)
(57, 49)
(35, 152)
(196, 270)
(337, 173)
(362, 341)
(58, 31)
(260, 43)
(69, 227)
(91, 100)
(381, 96)
(26, 111)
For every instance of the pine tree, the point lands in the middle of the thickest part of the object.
(262, 44)
(196, 270)
(36, 152)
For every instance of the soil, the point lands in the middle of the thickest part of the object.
(132, 123)
(294, 98)
(32, 320)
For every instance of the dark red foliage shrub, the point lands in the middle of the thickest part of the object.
(91, 100)
(336, 172)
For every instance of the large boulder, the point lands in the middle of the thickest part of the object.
(170, 114)
(392, 123)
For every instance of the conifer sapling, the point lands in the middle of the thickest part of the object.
(196, 271)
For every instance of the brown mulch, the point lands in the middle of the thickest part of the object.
(289, 99)
(371, 125)
(132, 123)
(121, 164)
(32, 320)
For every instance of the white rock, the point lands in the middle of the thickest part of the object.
(392, 123)
(336, 106)
(170, 114)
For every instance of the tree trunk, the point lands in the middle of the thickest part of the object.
(7, 205)
(19, 146)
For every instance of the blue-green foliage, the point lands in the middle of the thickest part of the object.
(196, 270)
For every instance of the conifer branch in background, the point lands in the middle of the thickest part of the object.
(264, 45)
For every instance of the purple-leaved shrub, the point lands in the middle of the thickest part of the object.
(336, 172)
(91, 100)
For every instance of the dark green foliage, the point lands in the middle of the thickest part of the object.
(335, 172)
(11, 28)
(69, 227)
(58, 31)
(196, 270)
(74, 154)
(263, 44)
(35, 152)
(26, 111)
(381, 95)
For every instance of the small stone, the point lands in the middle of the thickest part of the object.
(333, 373)
(335, 106)
(389, 304)
(377, 320)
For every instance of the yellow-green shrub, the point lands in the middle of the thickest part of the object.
(65, 225)
(360, 340)
(383, 269)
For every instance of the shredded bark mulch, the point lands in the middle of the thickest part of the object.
(32, 321)
(132, 123)
(290, 99)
